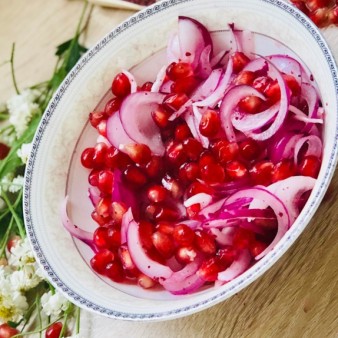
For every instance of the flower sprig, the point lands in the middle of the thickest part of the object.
(29, 304)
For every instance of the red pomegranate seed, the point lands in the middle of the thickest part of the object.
(236, 170)
(185, 86)
(257, 247)
(209, 270)
(198, 187)
(166, 214)
(103, 208)
(173, 186)
(179, 70)
(112, 106)
(146, 231)
(183, 235)
(205, 242)
(292, 84)
(261, 173)
(102, 128)
(53, 331)
(146, 87)
(100, 220)
(100, 237)
(96, 117)
(175, 101)
(150, 211)
(121, 85)
(117, 211)
(125, 258)
(210, 123)
(249, 149)
(113, 238)
(226, 256)
(145, 282)
(106, 181)
(99, 155)
(251, 104)
(193, 211)
(186, 254)
(272, 91)
(283, 170)
(192, 148)
(313, 5)
(165, 227)
(156, 193)
(116, 159)
(154, 168)
(245, 77)
(225, 151)
(240, 60)
(309, 166)
(87, 158)
(163, 244)
(93, 178)
(114, 271)
(206, 158)
(189, 172)
(4, 150)
(182, 132)
(333, 15)
(212, 173)
(175, 153)
(243, 238)
(135, 177)
(101, 259)
(139, 153)
(13, 241)
(161, 117)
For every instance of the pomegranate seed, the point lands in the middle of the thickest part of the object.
(206, 158)
(100, 237)
(53, 331)
(112, 158)
(96, 117)
(112, 106)
(225, 151)
(121, 85)
(193, 211)
(145, 282)
(103, 208)
(283, 170)
(184, 86)
(145, 232)
(93, 178)
(125, 258)
(198, 187)
(261, 173)
(245, 77)
(212, 173)
(154, 168)
(251, 104)
(261, 83)
(183, 235)
(186, 254)
(99, 155)
(226, 256)
(100, 220)
(175, 101)
(167, 133)
(243, 238)
(163, 244)
(192, 148)
(117, 211)
(333, 15)
(13, 241)
(257, 247)
(102, 128)
(156, 193)
(101, 259)
(175, 153)
(173, 186)
(182, 132)
(309, 166)
(165, 227)
(205, 242)
(313, 5)
(189, 172)
(210, 123)
(292, 84)
(209, 270)
(272, 91)
(114, 271)
(236, 170)
(139, 153)
(113, 238)
(249, 149)
(146, 87)
(240, 60)
(180, 70)
(87, 158)
(106, 181)
(161, 117)
(166, 214)
(135, 177)
(4, 150)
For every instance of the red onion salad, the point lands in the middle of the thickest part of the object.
(198, 174)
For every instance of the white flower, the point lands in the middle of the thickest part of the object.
(53, 305)
(16, 184)
(21, 109)
(21, 254)
(24, 279)
(5, 182)
(24, 152)
(74, 336)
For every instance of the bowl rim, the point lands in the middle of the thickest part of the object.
(243, 280)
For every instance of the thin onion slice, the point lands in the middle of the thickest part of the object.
(132, 81)
(159, 80)
(187, 286)
(300, 116)
(126, 219)
(315, 147)
(94, 195)
(202, 199)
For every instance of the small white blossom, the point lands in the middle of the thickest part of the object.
(53, 304)
(16, 184)
(21, 254)
(24, 279)
(5, 182)
(21, 109)
(24, 152)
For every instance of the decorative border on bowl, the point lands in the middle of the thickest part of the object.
(248, 276)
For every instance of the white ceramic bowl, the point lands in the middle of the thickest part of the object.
(53, 168)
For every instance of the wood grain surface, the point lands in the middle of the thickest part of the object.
(298, 297)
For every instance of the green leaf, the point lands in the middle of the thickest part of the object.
(75, 53)
(63, 47)
(57, 78)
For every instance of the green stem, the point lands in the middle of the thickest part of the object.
(28, 315)
(9, 127)
(64, 326)
(39, 315)
(6, 212)
(12, 70)
(5, 238)
(15, 215)
(77, 323)
(4, 116)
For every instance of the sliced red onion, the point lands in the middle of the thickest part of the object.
(220, 223)
(126, 219)
(218, 58)
(202, 199)
(212, 208)
(248, 43)
(198, 113)
(190, 119)
(136, 117)
(310, 95)
(256, 65)
(300, 116)
(315, 147)
(218, 93)
(173, 49)
(290, 146)
(223, 238)
(174, 264)
(116, 133)
(84, 236)
(186, 106)
(166, 87)
(229, 103)
(187, 286)
(204, 67)
(240, 264)
(131, 78)
(146, 265)
(94, 195)
(191, 223)
(159, 79)
(234, 40)
(275, 203)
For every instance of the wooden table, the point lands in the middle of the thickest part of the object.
(298, 297)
